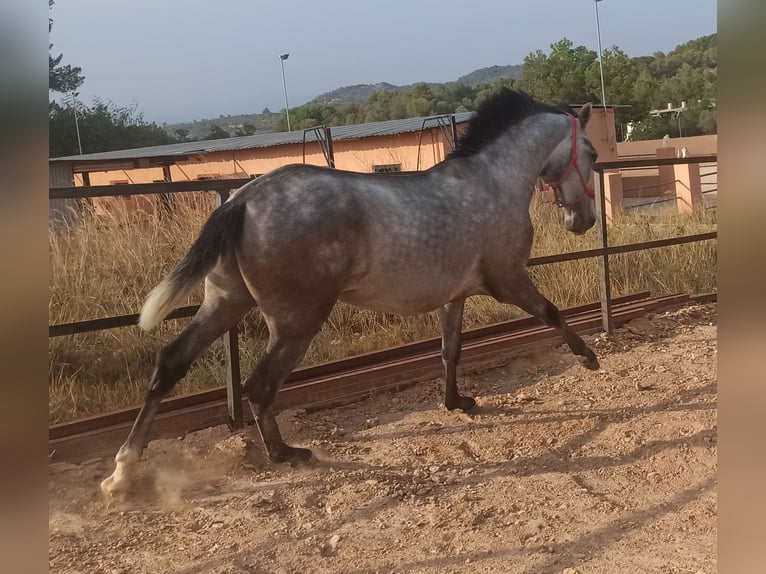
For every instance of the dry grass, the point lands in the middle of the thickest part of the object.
(108, 264)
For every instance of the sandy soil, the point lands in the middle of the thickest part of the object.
(559, 470)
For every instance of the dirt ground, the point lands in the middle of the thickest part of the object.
(559, 470)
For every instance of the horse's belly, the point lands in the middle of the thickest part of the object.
(405, 298)
(389, 305)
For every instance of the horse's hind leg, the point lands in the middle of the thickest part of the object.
(226, 300)
(288, 343)
(523, 293)
(452, 321)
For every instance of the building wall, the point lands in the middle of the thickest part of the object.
(656, 182)
(411, 151)
(601, 132)
(695, 145)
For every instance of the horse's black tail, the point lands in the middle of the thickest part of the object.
(219, 236)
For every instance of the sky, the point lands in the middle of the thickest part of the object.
(181, 60)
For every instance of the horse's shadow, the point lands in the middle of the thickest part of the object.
(523, 467)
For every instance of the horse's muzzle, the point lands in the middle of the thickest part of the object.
(578, 223)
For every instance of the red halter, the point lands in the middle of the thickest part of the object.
(589, 191)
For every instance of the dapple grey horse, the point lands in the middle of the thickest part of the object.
(298, 239)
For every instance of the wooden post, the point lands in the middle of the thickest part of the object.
(667, 177)
(613, 196)
(688, 188)
(233, 377)
(605, 287)
(165, 199)
(231, 350)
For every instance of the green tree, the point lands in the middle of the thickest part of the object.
(560, 76)
(217, 133)
(103, 127)
(418, 106)
(455, 93)
(620, 75)
(310, 115)
(652, 128)
(61, 78)
(687, 74)
(247, 129)
(385, 105)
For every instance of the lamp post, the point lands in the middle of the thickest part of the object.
(282, 59)
(600, 57)
(76, 123)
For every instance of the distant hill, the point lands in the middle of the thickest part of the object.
(200, 129)
(265, 122)
(357, 93)
(489, 74)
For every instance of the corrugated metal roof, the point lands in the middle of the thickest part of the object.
(390, 127)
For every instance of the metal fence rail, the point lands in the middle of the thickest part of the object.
(224, 187)
(159, 188)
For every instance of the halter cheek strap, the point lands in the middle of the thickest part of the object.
(587, 191)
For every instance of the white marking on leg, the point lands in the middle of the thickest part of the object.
(126, 464)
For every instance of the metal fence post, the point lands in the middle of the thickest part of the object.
(231, 350)
(330, 152)
(233, 377)
(604, 284)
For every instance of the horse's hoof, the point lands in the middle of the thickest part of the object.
(590, 363)
(125, 468)
(115, 484)
(462, 403)
(294, 456)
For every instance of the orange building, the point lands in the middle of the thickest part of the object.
(412, 144)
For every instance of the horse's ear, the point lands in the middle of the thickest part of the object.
(584, 114)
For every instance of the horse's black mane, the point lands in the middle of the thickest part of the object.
(500, 111)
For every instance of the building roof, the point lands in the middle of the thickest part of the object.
(180, 151)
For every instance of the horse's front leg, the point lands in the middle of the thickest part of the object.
(290, 335)
(522, 292)
(452, 322)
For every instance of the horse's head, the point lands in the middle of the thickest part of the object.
(569, 171)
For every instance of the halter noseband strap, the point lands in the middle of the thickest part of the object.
(587, 191)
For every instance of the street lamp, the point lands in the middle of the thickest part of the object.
(600, 57)
(76, 123)
(282, 59)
